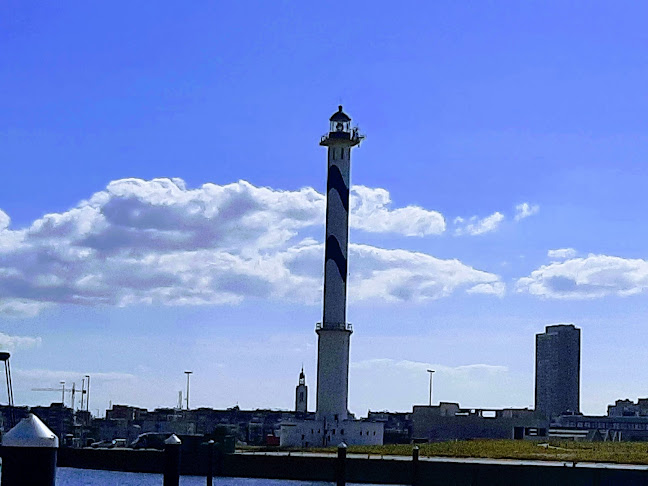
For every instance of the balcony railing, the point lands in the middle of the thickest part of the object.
(352, 136)
(341, 326)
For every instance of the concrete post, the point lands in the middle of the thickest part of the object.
(210, 463)
(172, 461)
(415, 465)
(29, 454)
(340, 476)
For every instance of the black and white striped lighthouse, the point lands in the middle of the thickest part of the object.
(334, 333)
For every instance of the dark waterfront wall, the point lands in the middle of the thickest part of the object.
(360, 469)
(127, 460)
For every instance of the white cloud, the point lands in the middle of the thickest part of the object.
(380, 274)
(423, 367)
(391, 384)
(493, 288)
(8, 239)
(15, 342)
(399, 275)
(43, 376)
(159, 242)
(561, 253)
(525, 210)
(585, 278)
(19, 307)
(476, 226)
(4, 220)
(370, 212)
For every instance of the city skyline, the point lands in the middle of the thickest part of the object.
(162, 201)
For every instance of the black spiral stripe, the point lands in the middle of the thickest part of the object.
(333, 252)
(336, 181)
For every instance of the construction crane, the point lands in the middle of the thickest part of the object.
(62, 389)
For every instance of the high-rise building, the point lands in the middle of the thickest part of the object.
(557, 386)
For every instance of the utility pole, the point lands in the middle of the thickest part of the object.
(431, 373)
(62, 393)
(188, 373)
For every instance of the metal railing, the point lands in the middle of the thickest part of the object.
(353, 136)
(342, 326)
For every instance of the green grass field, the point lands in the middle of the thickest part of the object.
(616, 452)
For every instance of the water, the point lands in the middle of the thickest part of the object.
(67, 476)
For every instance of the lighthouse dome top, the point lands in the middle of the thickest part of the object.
(340, 131)
(340, 116)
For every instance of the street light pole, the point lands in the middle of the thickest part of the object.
(82, 393)
(62, 393)
(87, 393)
(431, 373)
(188, 373)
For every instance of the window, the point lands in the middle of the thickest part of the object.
(341, 431)
(333, 431)
(336, 417)
(303, 436)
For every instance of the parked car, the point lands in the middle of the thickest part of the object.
(102, 444)
(150, 440)
(120, 442)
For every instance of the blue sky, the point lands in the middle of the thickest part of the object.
(175, 148)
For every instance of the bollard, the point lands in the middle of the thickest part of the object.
(415, 465)
(29, 454)
(210, 463)
(341, 464)
(172, 461)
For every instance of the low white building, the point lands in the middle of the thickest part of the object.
(320, 433)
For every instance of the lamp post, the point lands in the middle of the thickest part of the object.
(431, 373)
(83, 391)
(87, 393)
(188, 373)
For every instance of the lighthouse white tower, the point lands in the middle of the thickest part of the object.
(334, 333)
(331, 424)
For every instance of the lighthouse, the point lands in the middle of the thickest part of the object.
(334, 333)
(332, 423)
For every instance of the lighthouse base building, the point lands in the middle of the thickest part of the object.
(318, 433)
(333, 423)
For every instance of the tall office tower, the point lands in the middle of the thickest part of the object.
(557, 386)
(334, 333)
(301, 394)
